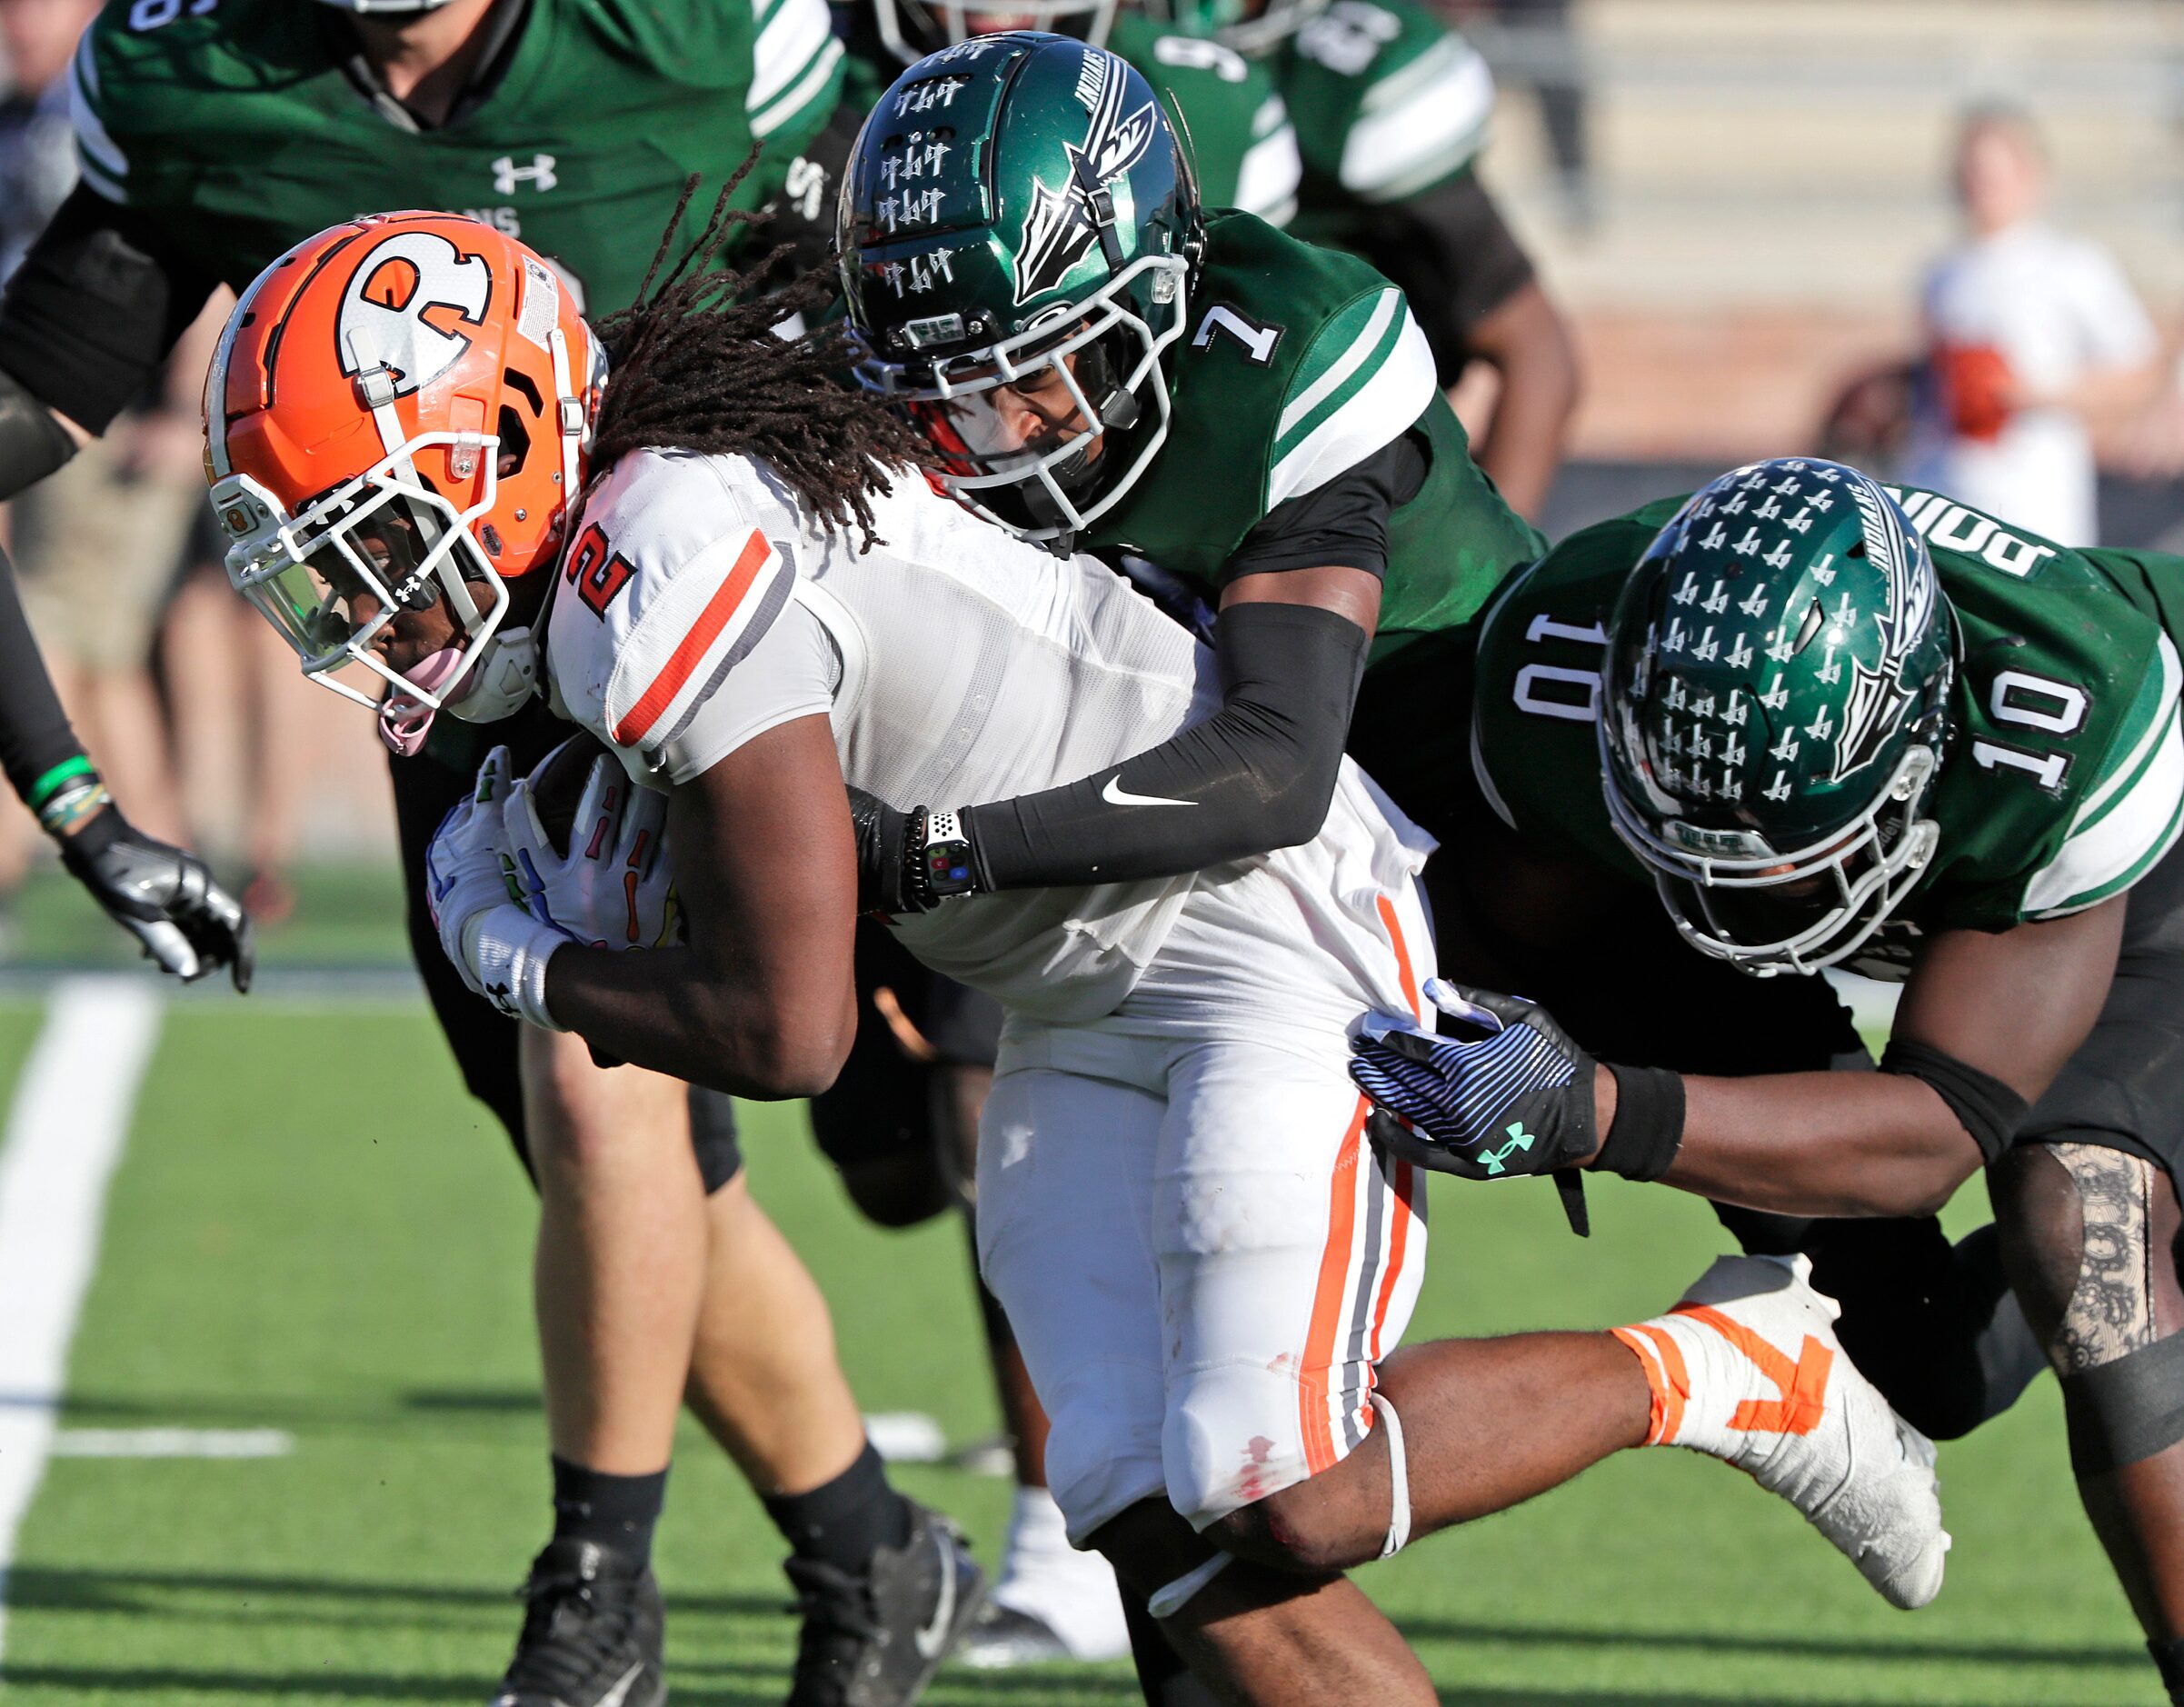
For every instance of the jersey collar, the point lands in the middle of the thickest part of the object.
(505, 29)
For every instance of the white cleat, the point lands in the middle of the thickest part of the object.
(1748, 1368)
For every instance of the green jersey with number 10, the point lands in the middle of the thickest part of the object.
(2062, 778)
(232, 126)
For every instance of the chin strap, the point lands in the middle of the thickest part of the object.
(569, 405)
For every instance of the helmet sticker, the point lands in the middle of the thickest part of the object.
(404, 305)
(1064, 223)
(541, 311)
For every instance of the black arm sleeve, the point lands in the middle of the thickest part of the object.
(1455, 259)
(1344, 522)
(1256, 776)
(96, 304)
(34, 735)
(86, 321)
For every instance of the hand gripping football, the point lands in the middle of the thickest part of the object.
(589, 849)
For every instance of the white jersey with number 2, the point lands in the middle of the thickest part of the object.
(699, 608)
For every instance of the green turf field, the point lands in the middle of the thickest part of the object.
(276, 1258)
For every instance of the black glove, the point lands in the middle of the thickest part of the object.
(1513, 1098)
(185, 921)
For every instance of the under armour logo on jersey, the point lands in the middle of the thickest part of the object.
(400, 316)
(539, 175)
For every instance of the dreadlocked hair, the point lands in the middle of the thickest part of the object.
(697, 366)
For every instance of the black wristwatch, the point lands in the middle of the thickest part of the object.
(941, 853)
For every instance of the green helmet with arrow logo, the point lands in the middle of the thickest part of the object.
(1774, 713)
(1017, 216)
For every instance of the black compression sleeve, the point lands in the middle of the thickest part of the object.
(1256, 776)
(98, 302)
(1344, 522)
(1989, 1110)
(34, 736)
(32, 443)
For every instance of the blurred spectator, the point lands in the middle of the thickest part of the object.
(2032, 335)
(95, 545)
(1535, 49)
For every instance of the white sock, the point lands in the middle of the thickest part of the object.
(1072, 1594)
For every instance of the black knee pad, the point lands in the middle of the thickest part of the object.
(2126, 1411)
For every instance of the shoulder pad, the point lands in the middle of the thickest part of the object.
(669, 582)
(1366, 374)
(2064, 780)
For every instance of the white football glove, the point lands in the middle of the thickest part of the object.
(500, 950)
(613, 888)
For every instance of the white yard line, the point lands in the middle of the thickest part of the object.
(171, 1442)
(65, 1130)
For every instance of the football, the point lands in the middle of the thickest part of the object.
(557, 784)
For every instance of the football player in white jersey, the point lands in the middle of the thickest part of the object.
(1205, 1257)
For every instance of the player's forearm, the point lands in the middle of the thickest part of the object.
(667, 1010)
(36, 743)
(1822, 1144)
(1528, 346)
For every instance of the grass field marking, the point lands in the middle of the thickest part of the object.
(171, 1442)
(65, 1130)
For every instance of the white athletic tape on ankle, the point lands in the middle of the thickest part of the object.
(1399, 1479)
(1169, 1601)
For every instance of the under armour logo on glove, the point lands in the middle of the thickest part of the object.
(1515, 1098)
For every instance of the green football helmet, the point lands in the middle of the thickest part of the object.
(1774, 713)
(1252, 27)
(1017, 216)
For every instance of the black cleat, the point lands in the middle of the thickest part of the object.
(876, 1640)
(592, 1632)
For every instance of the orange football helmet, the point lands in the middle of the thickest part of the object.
(398, 414)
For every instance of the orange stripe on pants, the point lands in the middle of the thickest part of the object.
(1400, 1213)
(1327, 1299)
(1402, 957)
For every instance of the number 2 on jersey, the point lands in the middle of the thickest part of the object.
(599, 573)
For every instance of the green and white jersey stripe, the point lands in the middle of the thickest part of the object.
(1362, 381)
(1268, 180)
(793, 63)
(2132, 816)
(1387, 100)
(1423, 124)
(105, 168)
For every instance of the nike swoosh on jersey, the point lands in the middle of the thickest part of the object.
(931, 1638)
(1115, 794)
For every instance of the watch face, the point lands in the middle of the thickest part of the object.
(948, 864)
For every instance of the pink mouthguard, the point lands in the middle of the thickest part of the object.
(404, 720)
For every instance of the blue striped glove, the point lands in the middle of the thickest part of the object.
(1516, 1098)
